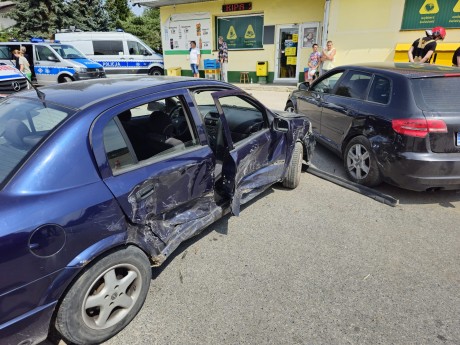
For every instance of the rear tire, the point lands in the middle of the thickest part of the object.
(360, 162)
(294, 170)
(156, 71)
(105, 298)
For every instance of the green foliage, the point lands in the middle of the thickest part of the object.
(118, 12)
(147, 27)
(88, 15)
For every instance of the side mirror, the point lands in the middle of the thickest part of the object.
(53, 59)
(304, 86)
(281, 125)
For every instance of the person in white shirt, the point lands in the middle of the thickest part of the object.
(195, 56)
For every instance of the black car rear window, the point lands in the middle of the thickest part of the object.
(23, 124)
(437, 94)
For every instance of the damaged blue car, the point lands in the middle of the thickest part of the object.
(103, 179)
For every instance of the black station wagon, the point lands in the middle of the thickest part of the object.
(398, 123)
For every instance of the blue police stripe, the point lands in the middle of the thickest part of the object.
(88, 63)
(127, 64)
(11, 76)
(45, 70)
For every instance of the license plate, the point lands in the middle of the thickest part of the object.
(458, 139)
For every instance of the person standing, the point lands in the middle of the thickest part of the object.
(313, 63)
(423, 48)
(327, 58)
(24, 65)
(456, 58)
(195, 56)
(223, 58)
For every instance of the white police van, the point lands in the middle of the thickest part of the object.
(119, 52)
(52, 62)
(11, 80)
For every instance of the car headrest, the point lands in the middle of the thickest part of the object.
(125, 116)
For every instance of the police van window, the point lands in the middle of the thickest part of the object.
(44, 53)
(107, 47)
(4, 53)
(135, 48)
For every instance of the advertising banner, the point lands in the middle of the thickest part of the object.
(242, 32)
(424, 14)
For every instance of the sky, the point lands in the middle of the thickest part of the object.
(137, 10)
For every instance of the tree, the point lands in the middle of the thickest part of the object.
(147, 27)
(88, 15)
(39, 18)
(118, 11)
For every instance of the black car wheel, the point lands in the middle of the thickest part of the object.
(360, 162)
(289, 107)
(156, 71)
(105, 298)
(294, 170)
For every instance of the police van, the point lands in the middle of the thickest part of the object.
(52, 62)
(119, 52)
(11, 80)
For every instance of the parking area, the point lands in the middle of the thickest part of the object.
(316, 265)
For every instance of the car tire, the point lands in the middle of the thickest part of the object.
(66, 79)
(294, 170)
(289, 107)
(360, 162)
(105, 297)
(156, 71)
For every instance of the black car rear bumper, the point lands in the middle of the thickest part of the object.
(422, 171)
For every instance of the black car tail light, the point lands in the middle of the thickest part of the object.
(418, 127)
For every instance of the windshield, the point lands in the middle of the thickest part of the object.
(23, 124)
(66, 51)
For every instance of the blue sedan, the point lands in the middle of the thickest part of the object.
(103, 179)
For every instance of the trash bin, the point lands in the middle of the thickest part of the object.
(174, 71)
(262, 68)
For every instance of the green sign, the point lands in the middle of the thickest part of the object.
(425, 14)
(244, 32)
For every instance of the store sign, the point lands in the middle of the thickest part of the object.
(242, 32)
(242, 6)
(424, 14)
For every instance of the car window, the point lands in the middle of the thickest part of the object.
(327, 85)
(67, 51)
(380, 90)
(135, 48)
(437, 94)
(43, 53)
(150, 130)
(107, 47)
(354, 84)
(23, 124)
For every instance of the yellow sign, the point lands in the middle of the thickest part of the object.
(295, 38)
(231, 34)
(250, 32)
(457, 7)
(291, 51)
(291, 60)
(429, 7)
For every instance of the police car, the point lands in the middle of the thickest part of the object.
(11, 80)
(52, 62)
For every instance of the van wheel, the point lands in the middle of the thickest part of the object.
(105, 298)
(66, 79)
(156, 71)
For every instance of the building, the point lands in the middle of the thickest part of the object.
(5, 8)
(281, 33)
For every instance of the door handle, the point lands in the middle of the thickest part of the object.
(145, 192)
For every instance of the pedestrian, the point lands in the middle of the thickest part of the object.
(327, 58)
(223, 58)
(456, 58)
(313, 63)
(423, 48)
(24, 65)
(195, 56)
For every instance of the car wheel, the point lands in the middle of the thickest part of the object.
(294, 170)
(156, 71)
(105, 298)
(66, 79)
(360, 162)
(289, 107)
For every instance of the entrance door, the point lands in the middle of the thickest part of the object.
(287, 48)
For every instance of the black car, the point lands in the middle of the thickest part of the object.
(398, 122)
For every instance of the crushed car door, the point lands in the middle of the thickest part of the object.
(161, 176)
(252, 152)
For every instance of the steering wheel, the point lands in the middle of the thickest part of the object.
(178, 120)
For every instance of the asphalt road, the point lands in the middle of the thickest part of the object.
(316, 265)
